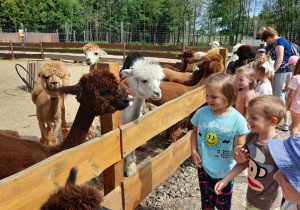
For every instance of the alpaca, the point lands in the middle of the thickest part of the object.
(129, 61)
(214, 44)
(144, 77)
(185, 56)
(92, 54)
(234, 56)
(97, 93)
(50, 109)
(73, 196)
(245, 53)
(10, 132)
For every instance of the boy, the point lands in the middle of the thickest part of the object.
(286, 155)
(261, 53)
(263, 192)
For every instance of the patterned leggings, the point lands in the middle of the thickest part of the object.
(209, 198)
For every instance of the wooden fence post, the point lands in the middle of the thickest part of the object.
(114, 174)
(12, 50)
(42, 50)
(124, 51)
(224, 53)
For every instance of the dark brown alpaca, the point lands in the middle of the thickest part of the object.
(97, 93)
(72, 196)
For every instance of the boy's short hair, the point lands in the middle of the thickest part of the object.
(258, 65)
(228, 86)
(268, 32)
(249, 73)
(270, 105)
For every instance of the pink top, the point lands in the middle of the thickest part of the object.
(294, 84)
(243, 99)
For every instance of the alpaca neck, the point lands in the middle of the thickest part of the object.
(133, 111)
(184, 66)
(53, 106)
(79, 129)
(93, 67)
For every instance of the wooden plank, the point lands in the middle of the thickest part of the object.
(224, 54)
(153, 48)
(159, 119)
(138, 186)
(65, 57)
(31, 56)
(113, 200)
(5, 55)
(29, 188)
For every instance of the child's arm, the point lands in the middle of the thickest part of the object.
(240, 155)
(236, 170)
(195, 155)
(290, 98)
(286, 88)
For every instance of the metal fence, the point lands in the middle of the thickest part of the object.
(159, 34)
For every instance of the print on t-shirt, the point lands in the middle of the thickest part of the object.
(256, 168)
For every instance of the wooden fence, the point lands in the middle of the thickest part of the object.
(29, 188)
(74, 51)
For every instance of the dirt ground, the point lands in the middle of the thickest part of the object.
(17, 112)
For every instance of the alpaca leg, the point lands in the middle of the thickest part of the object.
(175, 132)
(130, 164)
(44, 139)
(65, 128)
(54, 140)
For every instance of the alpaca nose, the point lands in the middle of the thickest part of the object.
(157, 93)
(54, 83)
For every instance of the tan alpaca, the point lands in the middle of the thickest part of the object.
(50, 109)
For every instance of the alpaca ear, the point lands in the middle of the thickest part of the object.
(72, 176)
(102, 52)
(127, 72)
(74, 90)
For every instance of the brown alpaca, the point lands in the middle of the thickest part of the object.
(186, 55)
(97, 93)
(10, 132)
(50, 109)
(73, 196)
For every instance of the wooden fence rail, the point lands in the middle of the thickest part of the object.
(30, 188)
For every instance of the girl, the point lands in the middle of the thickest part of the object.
(245, 81)
(264, 68)
(218, 132)
(293, 99)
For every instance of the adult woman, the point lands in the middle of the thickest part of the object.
(280, 53)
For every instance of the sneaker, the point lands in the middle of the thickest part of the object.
(285, 127)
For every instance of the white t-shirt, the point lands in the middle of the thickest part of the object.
(263, 89)
(288, 206)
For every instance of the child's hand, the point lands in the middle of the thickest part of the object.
(241, 156)
(219, 186)
(285, 89)
(197, 159)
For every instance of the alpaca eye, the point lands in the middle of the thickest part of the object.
(96, 53)
(144, 81)
(84, 53)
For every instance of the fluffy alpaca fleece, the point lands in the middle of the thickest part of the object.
(50, 109)
(144, 77)
(73, 196)
(214, 44)
(245, 53)
(97, 92)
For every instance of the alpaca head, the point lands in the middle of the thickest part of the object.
(54, 75)
(245, 52)
(214, 44)
(98, 93)
(92, 53)
(186, 55)
(145, 77)
(73, 196)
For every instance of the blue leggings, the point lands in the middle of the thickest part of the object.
(209, 198)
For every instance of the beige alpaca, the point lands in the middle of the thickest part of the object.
(92, 54)
(49, 103)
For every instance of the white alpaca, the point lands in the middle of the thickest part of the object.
(92, 54)
(214, 44)
(144, 77)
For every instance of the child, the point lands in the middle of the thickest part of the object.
(263, 192)
(293, 99)
(245, 81)
(261, 53)
(219, 131)
(264, 68)
(286, 155)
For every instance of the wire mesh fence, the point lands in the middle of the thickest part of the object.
(158, 34)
